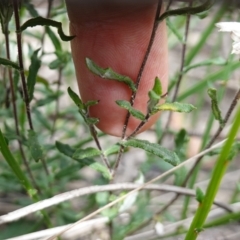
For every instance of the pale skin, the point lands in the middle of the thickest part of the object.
(116, 33)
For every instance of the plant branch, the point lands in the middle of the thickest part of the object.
(180, 76)
(148, 50)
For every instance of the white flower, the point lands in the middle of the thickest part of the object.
(234, 29)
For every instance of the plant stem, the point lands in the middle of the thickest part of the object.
(218, 173)
(139, 77)
(15, 115)
(20, 62)
(95, 137)
(148, 50)
(180, 76)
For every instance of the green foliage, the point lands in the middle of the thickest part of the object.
(199, 195)
(83, 157)
(175, 107)
(64, 136)
(83, 107)
(9, 63)
(32, 73)
(109, 74)
(34, 146)
(134, 112)
(40, 21)
(215, 108)
(153, 148)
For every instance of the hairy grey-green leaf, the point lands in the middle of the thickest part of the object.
(154, 148)
(108, 73)
(212, 92)
(134, 112)
(175, 107)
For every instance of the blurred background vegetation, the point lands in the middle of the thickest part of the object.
(44, 155)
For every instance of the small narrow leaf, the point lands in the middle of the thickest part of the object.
(175, 31)
(64, 148)
(212, 92)
(76, 99)
(34, 146)
(91, 103)
(86, 153)
(108, 73)
(153, 148)
(215, 61)
(199, 195)
(54, 39)
(32, 74)
(134, 112)
(8, 63)
(175, 107)
(91, 121)
(112, 150)
(154, 94)
(40, 21)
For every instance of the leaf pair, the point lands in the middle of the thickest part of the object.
(83, 107)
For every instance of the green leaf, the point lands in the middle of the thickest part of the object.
(215, 61)
(40, 21)
(175, 106)
(91, 121)
(175, 31)
(14, 165)
(108, 73)
(181, 138)
(134, 112)
(55, 64)
(154, 94)
(86, 153)
(49, 97)
(8, 63)
(29, 6)
(54, 39)
(112, 150)
(76, 99)
(68, 151)
(235, 149)
(199, 195)
(32, 74)
(64, 148)
(153, 148)
(34, 146)
(91, 103)
(212, 92)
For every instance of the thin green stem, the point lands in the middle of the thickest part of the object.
(218, 173)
